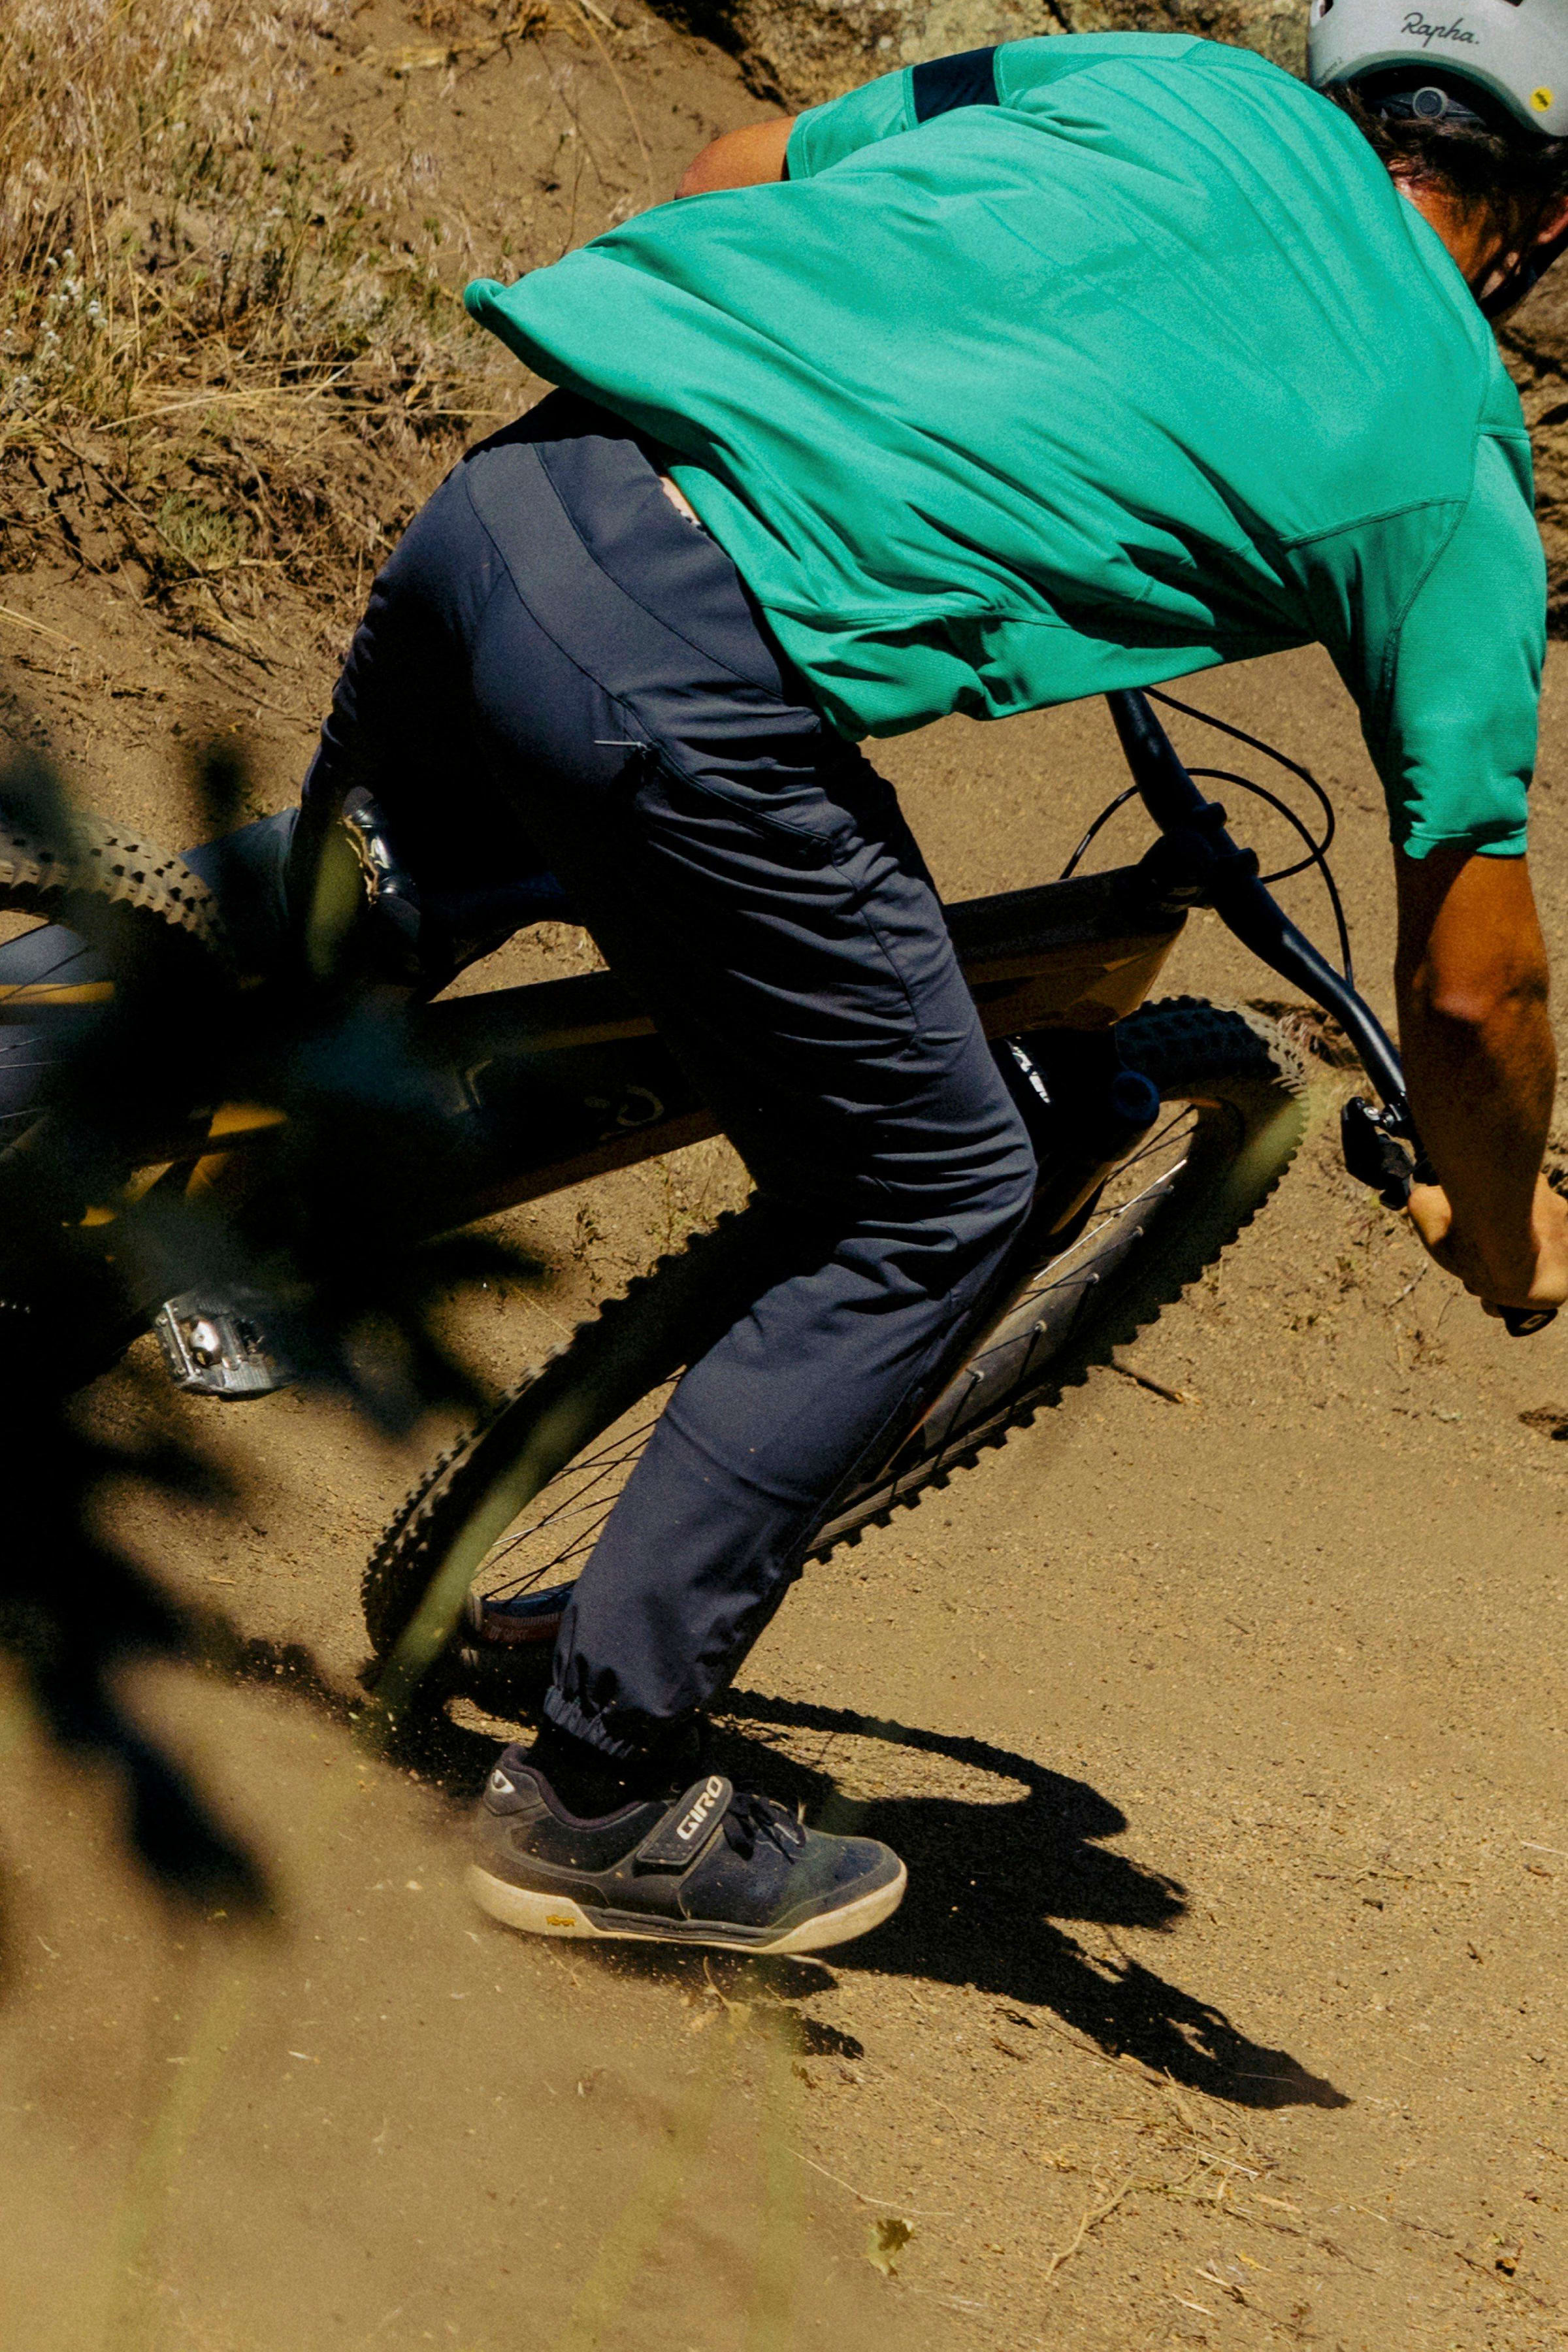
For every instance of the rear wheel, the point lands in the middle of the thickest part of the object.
(116, 909)
(119, 919)
(118, 891)
(469, 1579)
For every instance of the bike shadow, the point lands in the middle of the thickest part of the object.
(991, 1881)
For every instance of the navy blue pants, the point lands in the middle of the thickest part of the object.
(556, 664)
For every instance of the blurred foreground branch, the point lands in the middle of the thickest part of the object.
(139, 1033)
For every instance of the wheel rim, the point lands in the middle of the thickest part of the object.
(1130, 1200)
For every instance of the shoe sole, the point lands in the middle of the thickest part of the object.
(538, 1913)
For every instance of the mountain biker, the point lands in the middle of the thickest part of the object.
(1074, 365)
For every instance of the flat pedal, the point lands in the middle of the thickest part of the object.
(219, 1345)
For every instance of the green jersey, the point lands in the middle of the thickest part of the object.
(1080, 363)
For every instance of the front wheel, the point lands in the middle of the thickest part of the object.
(469, 1581)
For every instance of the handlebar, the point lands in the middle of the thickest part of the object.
(1195, 863)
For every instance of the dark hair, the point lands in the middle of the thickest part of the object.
(1518, 176)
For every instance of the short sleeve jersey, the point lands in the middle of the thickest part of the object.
(1078, 363)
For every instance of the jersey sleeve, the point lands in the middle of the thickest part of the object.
(1437, 622)
(825, 135)
(1456, 745)
(1008, 74)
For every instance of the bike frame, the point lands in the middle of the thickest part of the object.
(573, 1072)
(519, 1092)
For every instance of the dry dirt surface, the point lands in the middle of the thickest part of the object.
(1221, 1723)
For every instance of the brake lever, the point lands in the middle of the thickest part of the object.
(1375, 1156)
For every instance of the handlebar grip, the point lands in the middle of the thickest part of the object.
(1523, 1322)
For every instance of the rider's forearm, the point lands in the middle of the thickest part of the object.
(740, 159)
(1480, 1058)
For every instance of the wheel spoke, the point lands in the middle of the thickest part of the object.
(584, 1494)
(1113, 1217)
(577, 1549)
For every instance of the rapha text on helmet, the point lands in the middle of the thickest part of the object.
(1513, 53)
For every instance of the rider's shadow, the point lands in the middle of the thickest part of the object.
(990, 1882)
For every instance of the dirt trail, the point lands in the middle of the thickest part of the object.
(1224, 1740)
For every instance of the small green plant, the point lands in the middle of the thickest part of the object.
(198, 540)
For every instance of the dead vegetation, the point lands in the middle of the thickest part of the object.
(227, 354)
(1311, 1030)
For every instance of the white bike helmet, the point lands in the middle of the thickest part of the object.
(1508, 55)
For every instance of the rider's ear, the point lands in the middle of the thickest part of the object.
(1553, 226)
(1525, 262)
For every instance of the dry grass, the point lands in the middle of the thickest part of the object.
(201, 315)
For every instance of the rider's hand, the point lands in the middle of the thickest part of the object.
(1534, 1276)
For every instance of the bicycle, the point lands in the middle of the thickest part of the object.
(1160, 1129)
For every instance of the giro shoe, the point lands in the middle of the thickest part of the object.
(716, 1865)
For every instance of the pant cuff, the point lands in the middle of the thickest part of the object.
(568, 1716)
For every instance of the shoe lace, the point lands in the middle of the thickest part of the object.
(752, 1816)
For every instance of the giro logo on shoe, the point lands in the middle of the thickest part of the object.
(692, 1823)
(1417, 28)
(681, 1836)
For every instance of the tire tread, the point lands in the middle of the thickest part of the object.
(102, 864)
